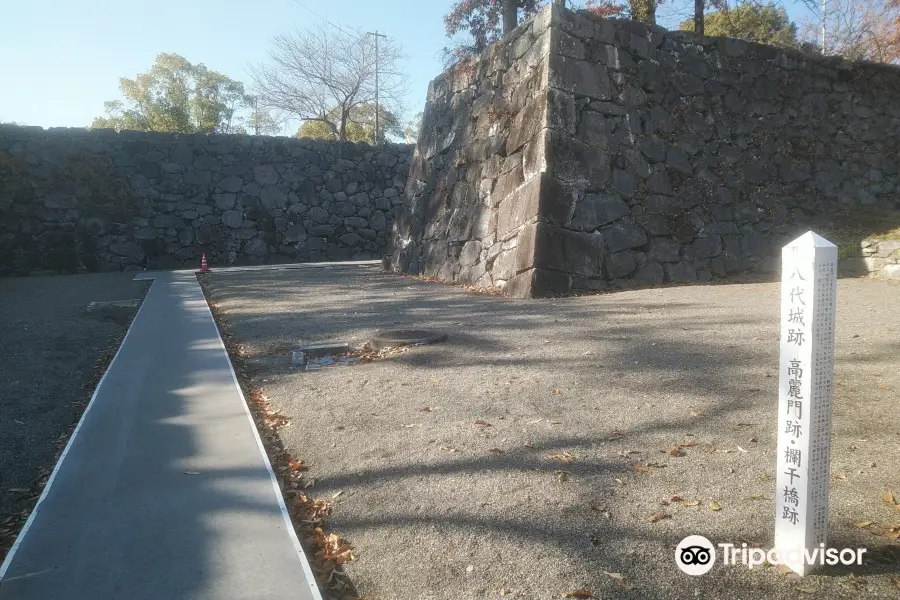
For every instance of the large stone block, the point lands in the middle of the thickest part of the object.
(551, 247)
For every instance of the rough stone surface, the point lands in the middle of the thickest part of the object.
(76, 200)
(694, 157)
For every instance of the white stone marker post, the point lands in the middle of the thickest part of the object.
(808, 290)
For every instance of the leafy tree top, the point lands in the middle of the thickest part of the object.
(765, 24)
(176, 96)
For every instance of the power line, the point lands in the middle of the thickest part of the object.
(327, 22)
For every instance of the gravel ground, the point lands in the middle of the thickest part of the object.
(439, 507)
(52, 355)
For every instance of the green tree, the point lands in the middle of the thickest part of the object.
(177, 96)
(765, 24)
(360, 125)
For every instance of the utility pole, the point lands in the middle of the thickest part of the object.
(256, 114)
(377, 108)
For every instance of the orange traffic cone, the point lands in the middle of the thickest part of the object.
(203, 266)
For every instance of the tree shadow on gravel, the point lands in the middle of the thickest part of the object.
(667, 351)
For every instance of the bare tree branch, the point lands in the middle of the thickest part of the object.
(322, 74)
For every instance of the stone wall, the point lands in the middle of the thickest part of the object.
(473, 167)
(78, 200)
(659, 156)
(875, 257)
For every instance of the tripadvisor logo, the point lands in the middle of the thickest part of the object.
(696, 555)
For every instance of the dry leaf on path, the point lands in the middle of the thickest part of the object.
(427, 409)
(562, 476)
(863, 524)
(675, 451)
(714, 506)
(578, 594)
(838, 476)
(641, 469)
(784, 569)
(691, 503)
(807, 590)
(496, 450)
(481, 422)
(756, 496)
(555, 392)
(742, 450)
(618, 576)
(563, 457)
(659, 516)
(889, 498)
(676, 498)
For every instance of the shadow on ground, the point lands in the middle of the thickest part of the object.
(577, 392)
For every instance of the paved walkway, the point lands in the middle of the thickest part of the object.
(163, 491)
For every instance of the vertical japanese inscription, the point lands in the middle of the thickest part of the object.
(808, 284)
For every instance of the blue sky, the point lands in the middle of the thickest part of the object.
(62, 58)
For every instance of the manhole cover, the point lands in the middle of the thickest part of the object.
(406, 337)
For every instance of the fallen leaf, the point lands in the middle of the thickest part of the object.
(756, 496)
(496, 450)
(619, 481)
(784, 569)
(676, 498)
(765, 477)
(838, 476)
(714, 506)
(578, 594)
(657, 465)
(481, 422)
(742, 450)
(807, 590)
(554, 422)
(895, 581)
(863, 524)
(676, 451)
(555, 392)
(687, 444)
(427, 409)
(889, 498)
(616, 434)
(754, 440)
(625, 453)
(658, 516)
(618, 576)
(336, 494)
(562, 476)
(641, 469)
(563, 457)
(191, 472)
(410, 425)
(691, 503)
